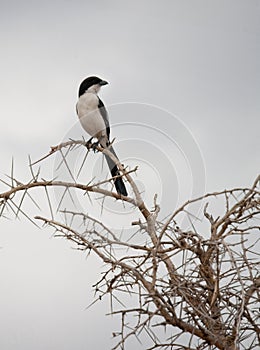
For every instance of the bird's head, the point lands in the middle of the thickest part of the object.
(91, 84)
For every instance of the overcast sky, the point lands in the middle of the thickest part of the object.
(183, 97)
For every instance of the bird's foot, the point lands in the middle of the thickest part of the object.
(88, 144)
(94, 146)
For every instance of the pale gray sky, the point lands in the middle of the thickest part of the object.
(184, 87)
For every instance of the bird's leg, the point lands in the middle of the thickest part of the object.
(94, 146)
(88, 143)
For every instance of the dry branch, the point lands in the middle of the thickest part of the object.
(202, 288)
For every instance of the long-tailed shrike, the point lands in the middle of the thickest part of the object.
(94, 120)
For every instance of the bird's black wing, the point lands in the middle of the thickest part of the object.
(104, 114)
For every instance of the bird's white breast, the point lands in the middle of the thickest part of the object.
(89, 114)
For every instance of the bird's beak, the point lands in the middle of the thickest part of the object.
(103, 82)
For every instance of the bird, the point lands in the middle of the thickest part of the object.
(93, 117)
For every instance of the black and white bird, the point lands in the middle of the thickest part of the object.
(94, 120)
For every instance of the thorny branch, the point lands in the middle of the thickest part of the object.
(200, 284)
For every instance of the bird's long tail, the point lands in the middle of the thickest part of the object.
(119, 184)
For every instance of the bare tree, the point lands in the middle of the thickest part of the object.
(200, 284)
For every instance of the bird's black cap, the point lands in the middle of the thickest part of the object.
(88, 82)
